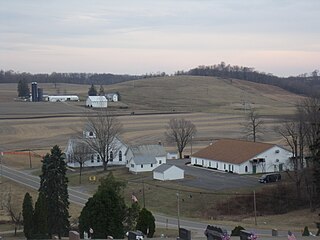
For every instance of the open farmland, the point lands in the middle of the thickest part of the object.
(216, 106)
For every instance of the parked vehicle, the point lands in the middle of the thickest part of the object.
(270, 177)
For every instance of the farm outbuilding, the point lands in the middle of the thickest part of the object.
(63, 98)
(97, 102)
(168, 172)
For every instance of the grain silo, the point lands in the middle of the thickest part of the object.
(34, 91)
(40, 94)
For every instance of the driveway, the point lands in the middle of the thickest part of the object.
(213, 180)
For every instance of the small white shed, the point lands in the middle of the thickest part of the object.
(168, 172)
(172, 155)
(97, 102)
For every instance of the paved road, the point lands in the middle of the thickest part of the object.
(213, 180)
(81, 198)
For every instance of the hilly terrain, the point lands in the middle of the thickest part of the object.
(216, 106)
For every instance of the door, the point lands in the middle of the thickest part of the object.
(281, 167)
(254, 169)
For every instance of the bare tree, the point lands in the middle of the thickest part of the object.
(81, 153)
(180, 131)
(294, 133)
(105, 129)
(14, 212)
(253, 124)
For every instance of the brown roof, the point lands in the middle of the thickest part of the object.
(232, 151)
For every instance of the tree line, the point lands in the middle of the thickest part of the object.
(306, 84)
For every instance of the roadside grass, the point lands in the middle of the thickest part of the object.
(22, 162)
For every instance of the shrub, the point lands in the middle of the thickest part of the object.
(306, 231)
(236, 231)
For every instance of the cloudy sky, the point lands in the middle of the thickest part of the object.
(142, 36)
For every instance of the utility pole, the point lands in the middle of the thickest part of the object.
(30, 164)
(143, 197)
(1, 168)
(255, 207)
(178, 205)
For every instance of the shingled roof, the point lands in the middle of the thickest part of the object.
(232, 151)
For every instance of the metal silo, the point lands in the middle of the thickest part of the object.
(40, 94)
(34, 91)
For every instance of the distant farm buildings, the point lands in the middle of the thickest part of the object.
(38, 96)
(97, 102)
(63, 98)
(112, 97)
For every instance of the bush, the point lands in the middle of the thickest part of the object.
(306, 231)
(236, 231)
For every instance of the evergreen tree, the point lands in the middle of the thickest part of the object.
(40, 218)
(132, 216)
(146, 223)
(105, 211)
(101, 91)
(23, 89)
(27, 214)
(92, 91)
(54, 186)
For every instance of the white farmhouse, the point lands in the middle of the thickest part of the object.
(168, 172)
(96, 102)
(112, 97)
(145, 158)
(63, 98)
(243, 157)
(116, 154)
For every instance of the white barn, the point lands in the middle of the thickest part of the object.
(145, 158)
(62, 98)
(243, 157)
(97, 102)
(168, 172)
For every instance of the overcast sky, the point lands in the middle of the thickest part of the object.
(142, 36)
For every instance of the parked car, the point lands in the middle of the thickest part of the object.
(270, 177)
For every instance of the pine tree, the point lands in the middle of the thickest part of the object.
(92, 91)
(54, 186)
(132, 216)
(27, 214)
(23, 89)
(146, 223)
(40, 218)
(105, 211)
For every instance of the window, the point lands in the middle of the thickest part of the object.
(92, 158)
(111, 156)
(91, 134)
(217, 165)
(141, 166)
(151, 165)
(224, 166)
(120, 156)
(209, 164)
(160, 161)
(98, 158)
(132, 165)
(246, 168)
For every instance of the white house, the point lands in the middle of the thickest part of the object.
(145, 158)
(116, 152)
(112, 97)
(62, 98)
(168, 172)
(243, 157)
(97, 102)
